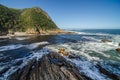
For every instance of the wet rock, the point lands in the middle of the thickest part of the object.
(18, 63)
(63, 52)
(4, 70)
(105, 40)
(73, 56)
(50, 67)
(108, 74)
(118, 49)
(119, 44)
(22, 73)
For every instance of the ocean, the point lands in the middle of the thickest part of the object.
(15, 52)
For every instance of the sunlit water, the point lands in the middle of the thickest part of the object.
(16, 51)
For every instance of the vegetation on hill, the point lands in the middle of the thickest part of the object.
(12, 20)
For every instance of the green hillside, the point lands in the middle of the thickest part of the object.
(24, 19)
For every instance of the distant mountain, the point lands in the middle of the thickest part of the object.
(25, 20)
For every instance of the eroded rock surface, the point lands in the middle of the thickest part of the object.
(49, 67)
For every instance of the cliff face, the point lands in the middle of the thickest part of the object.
(49, 67)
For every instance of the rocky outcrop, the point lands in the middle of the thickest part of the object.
(105, 40)
(107, 73)
(118, 49)
(49, 67)
(119, 44)
(65, 53)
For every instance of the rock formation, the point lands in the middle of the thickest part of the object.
(118, 49)
(105, 40)
(50, 67)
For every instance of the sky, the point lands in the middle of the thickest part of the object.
(76, 14)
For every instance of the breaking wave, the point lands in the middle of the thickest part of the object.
(17, 46)
(91, 54)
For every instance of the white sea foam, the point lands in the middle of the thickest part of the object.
(87, 33)
(112, 69)
(89, 69)
(35, 45)
(34, 55)
(87, 64)
(10, 47)
(91, 38)
(116, 38)
(22, 38)
(86, 48)
(17, 46)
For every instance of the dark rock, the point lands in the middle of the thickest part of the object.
(119, 44)
(49, 67)
(4, 70)
(105, 40)
(108, 74)
(72, 56)
(118, 49)
(18, 63)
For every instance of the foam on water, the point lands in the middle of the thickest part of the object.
(10, 47)
(91, 38)
(116, 38)
(17, 46)
(22, 38)
(89, 69)
(87, 64)
(91, 53)
(35, 45)
(87, 33)
(34, 55)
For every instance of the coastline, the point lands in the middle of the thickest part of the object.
(49, 32)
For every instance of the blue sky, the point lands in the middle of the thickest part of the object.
(76, 14)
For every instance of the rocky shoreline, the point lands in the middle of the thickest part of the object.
(54, 66)
(50, 67)
(50, 32)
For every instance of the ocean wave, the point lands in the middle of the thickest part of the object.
(13, 68)
(10, 47)
(17, 46)
(91, 53)
(91, 38)
(35, 45)
(22, 38)
(87, 33)
(89, 69)
(114, 37)
(3, 40)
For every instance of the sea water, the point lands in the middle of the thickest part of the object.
(86, 44)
